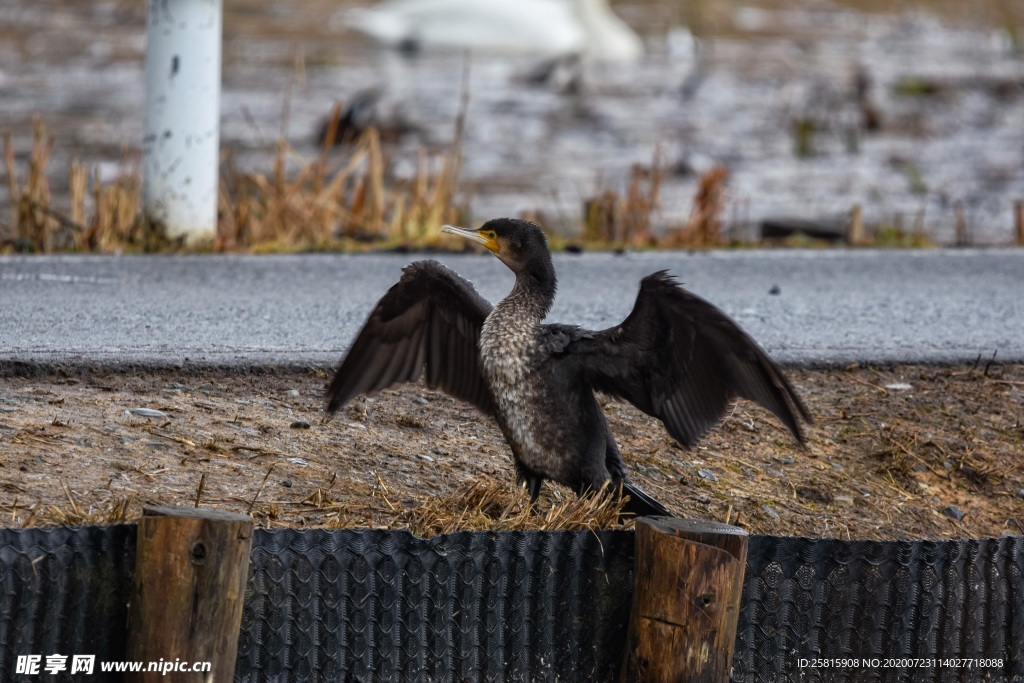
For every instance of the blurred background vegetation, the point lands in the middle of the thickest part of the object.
(796, 122)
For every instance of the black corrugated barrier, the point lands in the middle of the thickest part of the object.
(64, 591)
(385, 606)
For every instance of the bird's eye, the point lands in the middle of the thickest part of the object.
(491, 235)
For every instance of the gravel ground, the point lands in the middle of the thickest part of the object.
(904, 451)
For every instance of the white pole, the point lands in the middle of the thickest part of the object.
(182, 128)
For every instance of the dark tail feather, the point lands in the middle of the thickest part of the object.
(641, 504)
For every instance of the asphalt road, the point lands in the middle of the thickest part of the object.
(830, 306)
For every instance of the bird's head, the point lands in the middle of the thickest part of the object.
(520, 245)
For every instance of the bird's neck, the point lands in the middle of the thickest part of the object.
(532, 296)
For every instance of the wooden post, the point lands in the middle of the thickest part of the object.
(191, 566)
(960, 224)
(855, 231)
(688, 580)
(1018, 210)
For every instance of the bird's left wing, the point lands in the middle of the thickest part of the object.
(428, 322)
(681, 359)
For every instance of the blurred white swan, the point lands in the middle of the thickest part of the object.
(539, 27)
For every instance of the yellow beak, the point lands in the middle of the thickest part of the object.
(474, 235)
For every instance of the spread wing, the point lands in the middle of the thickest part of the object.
(679, 358)
(428, 322)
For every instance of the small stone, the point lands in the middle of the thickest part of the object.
(775, 290)
(899, 386)
(299, 424)
(1020, 493)
(287, 483)
(845, 500)
(157, 445)
(294, 393)
(297, 461)
(707, 474)
(954, 512)
(427, 458)
(3, 426)
(149, 412)
(772, 472)
(240, 427)
(771, 512)
(920, 467)
(836, 466)
(205, 388)
(815, 494)
(786, 460)
(422, 401)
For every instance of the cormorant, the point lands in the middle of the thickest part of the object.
(675, 357)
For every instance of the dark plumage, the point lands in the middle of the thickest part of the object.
(676, 357)
(366, 109)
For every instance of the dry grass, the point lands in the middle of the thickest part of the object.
(118, 511)
(704, 228)
(488, 504)
(341, 199)
(352, 202)
(482, 504)
(346, 200)
(101, 216)
(611, 218)
(338, 200)
(624, 219)
(883, 460)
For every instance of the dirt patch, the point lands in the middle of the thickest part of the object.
(894, 453)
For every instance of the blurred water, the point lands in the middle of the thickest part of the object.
(535, 148)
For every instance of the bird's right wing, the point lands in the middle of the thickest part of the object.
(429, 321)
